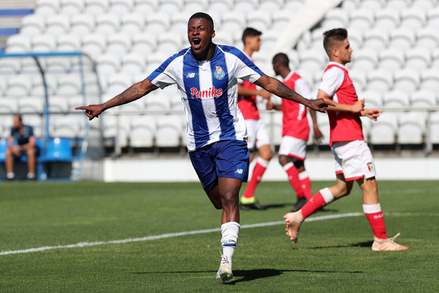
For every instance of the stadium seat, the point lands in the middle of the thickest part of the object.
(192, 6)
(179, 22)
(169, 43)
(9, 105)
(380, 80)
(225, 38)
(269, 39)
(58, 64)
(434, 127)
(145, 7)
(387, 19)
(433, 17)
(114, 130)
(18, 85)
(413, 18)
(144, 43)
(170, 6)
(423, 98)
(107, 24)
(246, 5)
(356, 39)
(133, 63)
(71, 7)
(117, 83)
(142, 132)
(311, 60)
(403, 38)
(359, 78)
(384, 130)
(411, 128)
(120, 7)
(132, 23)
(281, 19)
(427, 38)
(407, 80)
(418, 59)
(157, 23)
(33, 104)
(37, 86)
(46, 7)
(93, 45)
(271, 6)
(9, 66)
(108, 64)
(82, 24)
(304, 42)
(396, 98)
(376, 39)
(68, 43)
(29, 65)
(425, 4)
(372, 5)
(259, 19)
(118, 44)
(373, 99)
(43, 43)
(364, 59)
(316, 41)
(32, 24)
(69, 84)
(169, 131)
(96, 7)
(18, 44)
(294, 5)
(233, 21)
(335, 18)
(220, 7)
(435, 56)
(430, 79)
(391, 59)
(57, 25)
(361, 19)
(154, 61)
(350, 5)
(398, 5)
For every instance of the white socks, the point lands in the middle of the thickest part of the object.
(10, 175)
(229, 239)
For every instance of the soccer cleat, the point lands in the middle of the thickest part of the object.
(301, 201)
(225, 270)
(293, 221)
(250, 204)
(387, 244)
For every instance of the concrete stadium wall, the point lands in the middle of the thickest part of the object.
(180, 169)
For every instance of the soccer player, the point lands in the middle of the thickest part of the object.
(258, 137)
(23, 136)
(295, 131)
(353, 159)
(206, 75)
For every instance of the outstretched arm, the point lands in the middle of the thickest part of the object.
(355, 108)
(276, 87)
(132, 93)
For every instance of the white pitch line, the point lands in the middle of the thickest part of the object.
(170, 235)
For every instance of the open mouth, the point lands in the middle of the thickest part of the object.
(196, 43)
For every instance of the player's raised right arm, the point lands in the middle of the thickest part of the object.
(132, 93)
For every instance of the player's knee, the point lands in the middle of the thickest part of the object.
(283, 160)
(299, 164)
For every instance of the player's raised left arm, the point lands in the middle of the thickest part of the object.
(276, 87)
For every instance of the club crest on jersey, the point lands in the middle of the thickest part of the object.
(219, 73)
(370, 166)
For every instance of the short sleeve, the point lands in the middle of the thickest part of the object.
(302, 88)
(164, 75)
(332, 79)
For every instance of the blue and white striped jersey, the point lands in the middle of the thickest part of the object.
(209, 92)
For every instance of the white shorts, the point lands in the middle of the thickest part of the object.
(353, 159)
(293, 147)
(257, 134)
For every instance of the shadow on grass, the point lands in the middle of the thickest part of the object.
(367, 244)
(251, 275)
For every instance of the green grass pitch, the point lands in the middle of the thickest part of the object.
(332, 255)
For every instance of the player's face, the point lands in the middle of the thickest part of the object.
(16, 123)
(345, 51)
(254, 43)
(200, 36)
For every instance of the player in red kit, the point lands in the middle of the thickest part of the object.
(258, 137)
(354, 161)
(295, 131)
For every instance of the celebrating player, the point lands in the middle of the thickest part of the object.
(354, 161)
(206, 75)
(258, 137)
(295, 131)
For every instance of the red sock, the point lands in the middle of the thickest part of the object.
(258, 171)
(293, 177)
(376, 220)
(306, 184)
(322, 198)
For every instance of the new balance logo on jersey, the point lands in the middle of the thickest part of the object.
(212, 92)
(239, 171)
(190, 75)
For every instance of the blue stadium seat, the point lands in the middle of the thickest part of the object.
(58, 149)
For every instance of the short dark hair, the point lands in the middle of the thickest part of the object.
(333, 36)
(282, 59)
(205, 16)
(250, 32)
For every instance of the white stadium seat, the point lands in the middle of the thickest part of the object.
(142, 133)
(376, 39)
(118, 44)
(154, 61)
(294, 5)
(335, 18)
(57, 25)
(312, 60)
(271, 5)
(281, 19)
(380, 80)
(170, 6)
(425, 4)
(107, 24)
(259, 19)
(9, 105)
(43, 43)
(69, 84)
(373, 5)
(427, 37)
(132, 23)
(418, 58)
(434, 127)
(361, 19)
(233, 21)
(403, 38)
(169, 130)
(359, 78)
(435, 56)
(350, 5)
(96, 7)
(423, 98)
(133, 63)
(145, 7)
(407, 80)
(396, 98)
(68, 43)
(157, 23)
(193, 6)
(144, 43)
(93, 45)
(225, 38)
(71, 7)
(246, 5)
(364, 59)
(10, 66)
(383, 131)
(413, 18)
(356, 39)
(398, 5)
(120, 7)
(117, 83)
(411, 128)
(18, 85)
(430, 79)
(112, 130)
(30, 105)
(221, 6)
(169, 43)
(108, 64)
(32, 24)
(391, 59)
(387, 19)
(373, 99)
(179, 22)
(82, 24)
(316, 41)
(18, 44)
(46, 7)
(433, 17)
